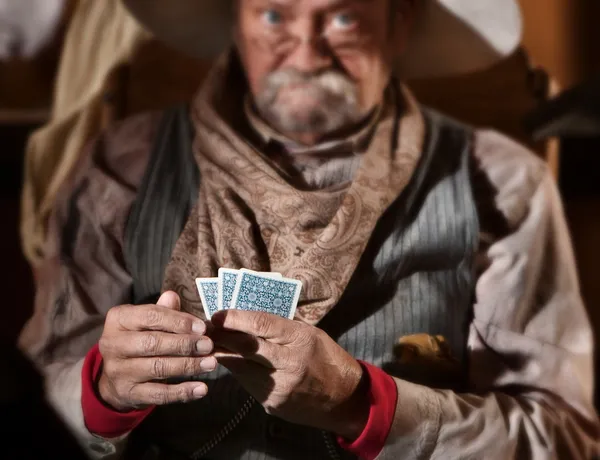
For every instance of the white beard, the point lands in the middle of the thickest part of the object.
(340, 105)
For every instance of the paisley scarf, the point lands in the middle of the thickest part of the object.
(248, 215)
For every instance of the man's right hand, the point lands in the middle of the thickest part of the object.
(143, 346)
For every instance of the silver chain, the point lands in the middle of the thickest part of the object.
(331, 450)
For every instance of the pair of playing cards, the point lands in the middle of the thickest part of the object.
(249, 290)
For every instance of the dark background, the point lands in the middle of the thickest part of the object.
(18, 290)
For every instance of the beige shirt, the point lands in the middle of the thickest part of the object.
(528, 305)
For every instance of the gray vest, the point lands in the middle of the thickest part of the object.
(416, 276)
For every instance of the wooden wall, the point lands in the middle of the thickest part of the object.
(564, 37)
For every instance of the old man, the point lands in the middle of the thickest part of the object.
(440, 315)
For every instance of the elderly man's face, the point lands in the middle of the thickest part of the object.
(316, 67)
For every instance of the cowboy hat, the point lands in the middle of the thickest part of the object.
(452, 36)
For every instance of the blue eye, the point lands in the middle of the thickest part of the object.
(343, 21)
(272, 17)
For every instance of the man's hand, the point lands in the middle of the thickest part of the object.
(296, 371)
(142, 346)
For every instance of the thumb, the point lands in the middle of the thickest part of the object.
(170, 300)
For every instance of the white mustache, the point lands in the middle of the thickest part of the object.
(331, 82)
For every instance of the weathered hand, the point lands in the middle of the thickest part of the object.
(296, 371)
(142, 346)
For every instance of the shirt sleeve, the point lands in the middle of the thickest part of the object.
(383, 395)
(100, 419)
(83, 274)
(530, 345)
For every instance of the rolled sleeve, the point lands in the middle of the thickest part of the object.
(383, 396)
(100, 419)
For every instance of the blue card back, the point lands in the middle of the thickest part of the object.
(255, 292)
(208, 290)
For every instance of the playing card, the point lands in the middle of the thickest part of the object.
(208, 288)
(227, 281)
(256, 292)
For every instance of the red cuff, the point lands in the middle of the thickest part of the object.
(383, 397)
(100, 419)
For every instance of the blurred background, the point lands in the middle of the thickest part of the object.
(561, 50)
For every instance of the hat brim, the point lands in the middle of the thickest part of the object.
(452, 36)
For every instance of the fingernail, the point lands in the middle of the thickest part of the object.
(199, 328)
(208, 364)
(204, 346)
(200, 391)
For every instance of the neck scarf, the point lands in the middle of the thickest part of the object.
(248, 215)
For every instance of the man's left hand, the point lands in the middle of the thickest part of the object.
(296, 371)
